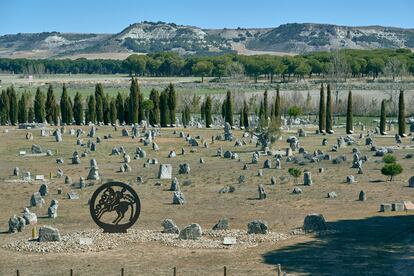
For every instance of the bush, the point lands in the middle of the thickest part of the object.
(391, 170)
(295, 172)
(389, 159)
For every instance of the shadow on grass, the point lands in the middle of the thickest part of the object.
(372, 246)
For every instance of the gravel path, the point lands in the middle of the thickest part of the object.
(70, 243)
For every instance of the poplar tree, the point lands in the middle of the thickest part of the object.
(322, 111)
(207, 109)
(106, 109)
(120, 108)
(245, 114)
(39, 106)
(154, 115)
(99, 99)
(127, 110)
(51, 107)
(349, 115)
(22, 116)
(78, 109)
(383, 117)
(164, 108)
(64, 105)
(329, 110)
(14, 108)
(133, 101)
(265, 105)
(141, 115)
(401, 114)
(277, 109)
(113, 111)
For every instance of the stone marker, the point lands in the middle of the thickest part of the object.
(48, 234)
(175, 185)
(222, 224)
(411, 182)
(257, 227)
(52, 210)
(36, 200)
(165, 171)
(73, 195)
(16, 224)
(314, 222)
(362, 196)
(297, 190)
(350, 179)
(331, 195)
(169, 226)
(29, 217)
(16, 171)
(307, 178)
(191, 232)
(229, 241)
(184, 168)
(397, 206)
(385, 207)
(261, 191)
(178, 198)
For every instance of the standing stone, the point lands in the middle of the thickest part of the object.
(278, 164)
(127, 158)
(155, 146)
(48, 234)
(261, 191)
(411, 182)
(289, 152)
(191, 232)
(170, 227)
(82, 183)
(58, 135)
(307, 178)
(93, 174)
(175, 185)
(273, 180)
(260, 172)
(362, 196)
(43, 190)
(30, 218)
(314, 222)
(228, 135)
(267, 164)
(75, 159)
(68, 180)
(36, 149)
(350, 179)
(52, 210)
(125, 132)
(16, 224)
(255, 158)
(257, 227)
(222, 224)
(178, 198)
(93, 146)
(36, 200)
(92, 132)
(16, 171)
(184, 168)
(165, 171)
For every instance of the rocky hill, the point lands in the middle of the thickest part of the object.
(149, 37)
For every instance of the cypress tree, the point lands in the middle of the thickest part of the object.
(99, 101)
(14, 108)
(265, 105)
(78, 109)
(383, 117)
(30, 115)
(171, 103)
(65, 109)
(70, 111)
(120, 108)
(229, 108)
(106, 109)
(113, 111)
(22, 116)
(207, 108)
(329, 110)
(4, 107)
(51, 107)
(322, 111)
(278, 111)
(127, 110)
(223, 109)
(133, 101)
(245, 114)
(91, 110)
(202, 111)
(39, 106)
(141, 115)
(164, 109)
(401, 115)
(349, 115)
(186, 114)
(154, 115)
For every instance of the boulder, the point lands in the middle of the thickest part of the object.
(16, 224)
(257, 227)
(314, 222)
(191, 232)
(178, 198)
(165, 171)
(169, 226)
(362, 196)
(184, 168)
(222, 224)
(48, 234)
(29, 217)
(36, 200)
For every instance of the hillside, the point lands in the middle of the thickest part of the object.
(149, 37)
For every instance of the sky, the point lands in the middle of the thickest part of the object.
(104, 16)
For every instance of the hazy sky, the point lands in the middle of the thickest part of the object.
(106, 16)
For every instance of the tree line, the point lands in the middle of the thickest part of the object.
(334, 65)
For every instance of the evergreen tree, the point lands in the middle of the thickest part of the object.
(241, 118)
(278, 111)
(4, 107)
(23, 109)
(223, 109)
(14, 108)
(207, 109)
(245, 114)
(186, 115)
(106, 109)
(120, 108)
(78, 109)
(154, 115)
(322, 111)
(52, 110)
(39, 106)
(91, 110)
(141, 115)
(127, 110)
(349, 115)
(229, 108)
(308, 103)
(64, 105)
(172, 102)
(202, 111)
(329, 110)
(70, 111)
(99, 100)
(383, 117)
(401, 114)
(164, 109)
(265, 105)
(30, 115)
(113, 111)
(133, 101)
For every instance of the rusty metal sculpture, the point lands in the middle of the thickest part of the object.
(115, 197)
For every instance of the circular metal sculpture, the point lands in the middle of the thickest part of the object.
(115, 207)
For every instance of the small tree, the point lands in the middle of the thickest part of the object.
(383, 117)
(401, 114)
(389, 159)
(391, 170)
(294, 111)
(349, 115)
(147, 106)
(296, 173)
